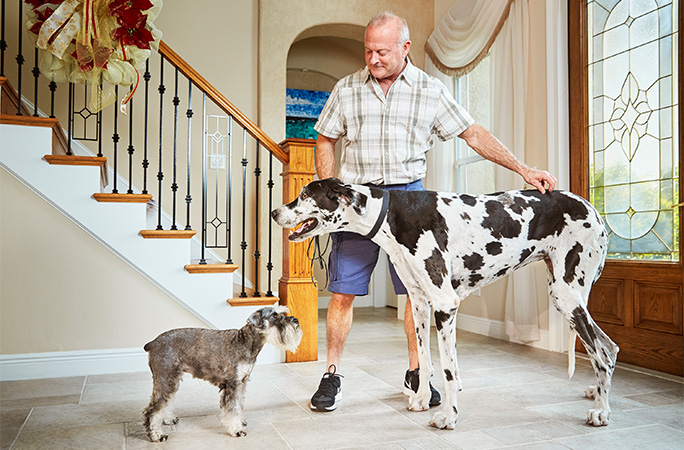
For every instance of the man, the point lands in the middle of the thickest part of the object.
(386, 115)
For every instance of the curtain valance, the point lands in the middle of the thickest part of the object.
(465, 34)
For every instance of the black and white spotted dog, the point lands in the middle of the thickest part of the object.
(445, 246)
(225, 358)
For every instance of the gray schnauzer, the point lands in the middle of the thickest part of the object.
(225, 358)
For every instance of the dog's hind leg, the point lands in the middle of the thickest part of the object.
(602, 351)
(445, 320)
(156, 413)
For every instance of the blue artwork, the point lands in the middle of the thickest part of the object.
(302, 110)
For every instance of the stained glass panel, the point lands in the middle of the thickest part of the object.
(633, 125)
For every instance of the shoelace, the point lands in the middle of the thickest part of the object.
(328, 386)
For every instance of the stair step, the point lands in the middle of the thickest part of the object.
(167, 234)
(211, 268)
(73, 160)
(122, 198)
(252, 301)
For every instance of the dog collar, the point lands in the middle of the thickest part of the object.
(381, 216)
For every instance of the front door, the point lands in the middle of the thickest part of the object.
(626, 154)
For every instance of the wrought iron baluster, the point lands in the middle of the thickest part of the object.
(20, 57)
(99, 121)
(257, 255)
(53, 88)
(115, 138)
(203, 259)
(70, 127)
(243, 244)
(160, 174)
(229, 196)
(131, 149)
(174, 184)
(36, 74)
(188, 113)
(269, 264)
(3, 42)
(145, 162)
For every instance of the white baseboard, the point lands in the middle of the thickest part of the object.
(497, 330)
(71, 364)
(32, 366)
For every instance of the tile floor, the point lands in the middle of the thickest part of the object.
(513, 397)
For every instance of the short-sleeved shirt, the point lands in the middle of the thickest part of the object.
(385, 138)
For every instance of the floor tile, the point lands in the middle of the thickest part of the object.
(101, 437)
(636, 438)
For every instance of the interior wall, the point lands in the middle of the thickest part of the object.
(61, 290)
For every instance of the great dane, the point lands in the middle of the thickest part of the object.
(445, 246)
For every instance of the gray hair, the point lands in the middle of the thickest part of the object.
(385, 18)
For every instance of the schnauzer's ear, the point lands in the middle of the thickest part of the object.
(257, 318)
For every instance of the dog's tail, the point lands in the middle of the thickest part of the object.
(571, 353)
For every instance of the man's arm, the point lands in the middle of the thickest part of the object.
(324, 158)
(489, 147)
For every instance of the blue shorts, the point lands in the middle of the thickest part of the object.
(353, 257)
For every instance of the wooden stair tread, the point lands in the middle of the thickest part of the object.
(211, 268)
(252, 301)
(73, 160)
(122, 198)
(167, 234)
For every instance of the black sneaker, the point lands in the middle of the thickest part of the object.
(329, 392)
(411, 382)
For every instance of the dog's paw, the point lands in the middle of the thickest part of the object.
(237, 427)
(171, 421)
(590, 392)
(443, 421)
(157, 436)
(417, 403)
(598, 417)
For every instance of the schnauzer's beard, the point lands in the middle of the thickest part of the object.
(286, 335)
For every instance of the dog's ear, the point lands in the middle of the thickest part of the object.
(259, 316)
(350, 197)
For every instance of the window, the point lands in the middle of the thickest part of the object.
(474, 174)
(634, 125)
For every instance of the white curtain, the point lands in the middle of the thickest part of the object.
(471, 25)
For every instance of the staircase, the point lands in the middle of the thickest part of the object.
(49, 161)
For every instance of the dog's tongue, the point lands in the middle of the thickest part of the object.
(300, 228)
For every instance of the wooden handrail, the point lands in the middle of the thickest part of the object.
(222, 102)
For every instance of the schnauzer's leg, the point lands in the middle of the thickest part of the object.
(420, 401)
(165, 387)
(445, 320)
(232, 416)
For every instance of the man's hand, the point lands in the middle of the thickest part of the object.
(540, 179)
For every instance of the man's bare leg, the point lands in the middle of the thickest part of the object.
(339, 322)
(410, 329)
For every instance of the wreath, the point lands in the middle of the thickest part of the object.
(91, 41)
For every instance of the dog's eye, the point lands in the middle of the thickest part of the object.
(303, 196)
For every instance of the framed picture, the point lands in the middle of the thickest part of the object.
(302, 110)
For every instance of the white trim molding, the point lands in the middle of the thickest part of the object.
(496, 329)
(71, 364)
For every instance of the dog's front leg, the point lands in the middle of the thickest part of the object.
(420, 401)
(445, 320)
(232, 415)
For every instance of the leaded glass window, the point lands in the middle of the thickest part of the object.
(634, 125)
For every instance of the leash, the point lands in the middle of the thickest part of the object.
(318, 255)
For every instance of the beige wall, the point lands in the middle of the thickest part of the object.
(61, 290)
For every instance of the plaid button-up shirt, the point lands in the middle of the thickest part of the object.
(385, 138)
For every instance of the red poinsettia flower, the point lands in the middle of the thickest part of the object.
(117, 7)
(132, 29)
(42, 17)
(37, 3)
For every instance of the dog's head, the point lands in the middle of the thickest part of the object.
(281, 330)
(323, 206)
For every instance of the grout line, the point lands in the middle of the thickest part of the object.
(281, 436)
(21, 429)
(85, 382)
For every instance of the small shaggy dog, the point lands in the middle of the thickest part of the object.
(225, 358)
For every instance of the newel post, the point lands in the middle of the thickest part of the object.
(295, 288)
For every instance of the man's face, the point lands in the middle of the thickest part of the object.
(384, 56)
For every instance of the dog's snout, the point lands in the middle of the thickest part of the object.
(274, 214)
